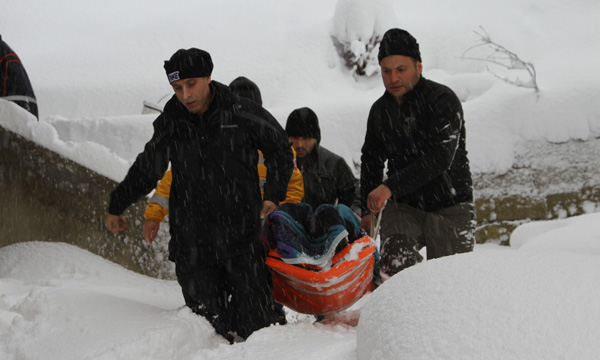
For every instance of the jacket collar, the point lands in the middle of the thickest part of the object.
(317, 159)
(221, 99)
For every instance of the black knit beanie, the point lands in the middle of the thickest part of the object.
(398, 42)
(245, 87)
(303, 122)
(190, 63)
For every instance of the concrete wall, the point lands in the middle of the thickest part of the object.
(547, 181)
(46, 197)
(49, 198)
(498, 217)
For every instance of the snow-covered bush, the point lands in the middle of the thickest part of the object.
(357, 29)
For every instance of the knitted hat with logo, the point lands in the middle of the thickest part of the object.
(190, 63)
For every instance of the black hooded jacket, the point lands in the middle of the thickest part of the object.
(423, 141)
(215, 199)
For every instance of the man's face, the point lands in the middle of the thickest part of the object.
(193, 93)
(303, 146)
(400, 73)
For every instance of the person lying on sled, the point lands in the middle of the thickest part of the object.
(303, 236)
(321, 260)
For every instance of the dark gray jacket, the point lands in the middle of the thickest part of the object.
(329, 180)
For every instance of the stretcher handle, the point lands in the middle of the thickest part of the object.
(375, 228)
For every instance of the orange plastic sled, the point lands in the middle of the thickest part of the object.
(312, 290)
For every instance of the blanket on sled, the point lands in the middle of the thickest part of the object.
(302, 236)
(322, 261)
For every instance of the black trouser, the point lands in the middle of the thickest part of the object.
(405, 230)
(234, 293)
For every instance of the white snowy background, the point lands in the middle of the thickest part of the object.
(93, 64)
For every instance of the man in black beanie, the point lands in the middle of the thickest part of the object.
(327, 177)
(212, 137)
(417, 127)
(244, 87)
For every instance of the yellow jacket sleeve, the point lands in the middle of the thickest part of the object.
(295, 189)
(262, 172)
(158, 205)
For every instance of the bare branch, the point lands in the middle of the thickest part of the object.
(501, 56)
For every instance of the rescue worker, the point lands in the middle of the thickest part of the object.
(417, 127)
(212, 137)
(158, 205)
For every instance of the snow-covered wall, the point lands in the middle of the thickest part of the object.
(49, 198)
(546, 181)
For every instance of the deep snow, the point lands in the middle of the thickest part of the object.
(93, 64)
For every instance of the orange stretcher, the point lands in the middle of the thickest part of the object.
(309, 289)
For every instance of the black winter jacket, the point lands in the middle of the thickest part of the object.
(423, 141)
(328, 180)
(215, 199)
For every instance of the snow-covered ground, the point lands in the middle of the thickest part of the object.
(539, 301)
(92, 64)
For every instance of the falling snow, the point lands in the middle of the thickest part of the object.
(92, 66)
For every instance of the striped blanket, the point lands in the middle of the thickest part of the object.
(303, 236)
